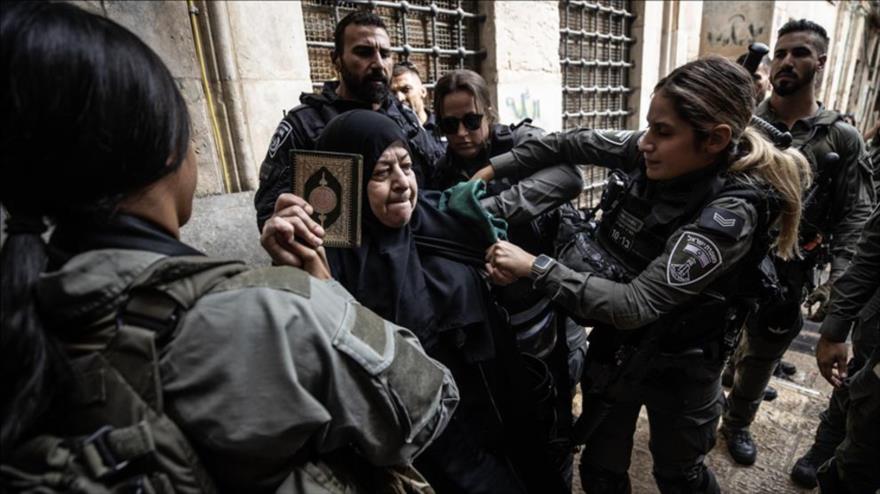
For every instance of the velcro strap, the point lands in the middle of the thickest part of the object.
(109, 451)
(151, 309)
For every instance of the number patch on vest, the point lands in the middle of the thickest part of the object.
(692, 259)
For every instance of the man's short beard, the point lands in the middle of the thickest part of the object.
(795, 86)
(363, 89)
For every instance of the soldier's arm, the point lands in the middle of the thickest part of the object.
(607, 148)
(695, 256)
(856, 285)
(264, 372)
(851, 199)
(275, 177)
(532, 196)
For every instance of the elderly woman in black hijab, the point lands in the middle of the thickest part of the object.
(417, 266)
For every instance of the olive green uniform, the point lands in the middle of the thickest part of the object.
(693, 256)
(276, 378)
(836, 208)
(855, 305)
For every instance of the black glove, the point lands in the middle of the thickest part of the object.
(820, 296)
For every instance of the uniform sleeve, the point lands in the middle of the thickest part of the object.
(851, 292)
(606, 148)
(275, 177)
(695, 256)
(262, 373)
(851, 199)
(532, 196)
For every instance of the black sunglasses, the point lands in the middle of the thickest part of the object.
(471, 121)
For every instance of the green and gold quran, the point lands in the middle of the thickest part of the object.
(332, 184)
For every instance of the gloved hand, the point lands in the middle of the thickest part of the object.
(820, 295)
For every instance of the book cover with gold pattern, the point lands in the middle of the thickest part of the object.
(332, 184)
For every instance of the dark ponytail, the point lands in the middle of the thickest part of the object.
(31, 359)
(90, 115)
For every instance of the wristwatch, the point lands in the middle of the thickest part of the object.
(540, 266)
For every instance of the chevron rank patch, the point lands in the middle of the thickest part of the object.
(722, 221)
(692, 259)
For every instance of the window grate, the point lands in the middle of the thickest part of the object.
(594, 56)
(434, 35)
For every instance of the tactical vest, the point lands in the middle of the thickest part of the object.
(634, 231)
(115, 435)
(817, 147)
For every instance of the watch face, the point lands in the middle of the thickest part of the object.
(542, 262)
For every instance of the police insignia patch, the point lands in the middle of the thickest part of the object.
(279, 136)
(692, 259)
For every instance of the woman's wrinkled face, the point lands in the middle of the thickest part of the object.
(669, 145)
(464, 142)
(392, 190)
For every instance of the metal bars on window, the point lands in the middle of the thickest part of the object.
(595, 61)
(594, 56)
(434, 35)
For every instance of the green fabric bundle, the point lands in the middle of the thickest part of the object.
(463, 200)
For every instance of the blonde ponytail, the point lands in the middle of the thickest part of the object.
(787, 172)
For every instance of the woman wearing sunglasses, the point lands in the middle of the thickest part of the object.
(465, 116)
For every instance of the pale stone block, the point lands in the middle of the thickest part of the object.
(522, 63)
(269, 39)
(266, 102)
(527, 36)
(646, 54)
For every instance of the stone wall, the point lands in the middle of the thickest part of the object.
(522, 63)
(174, 45)
(225, 226)
(730, 27)
(256, 66)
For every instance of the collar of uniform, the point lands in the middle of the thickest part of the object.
(765, 111)
(330, 97)
(683, 184)
(123, 231)
(431, 123)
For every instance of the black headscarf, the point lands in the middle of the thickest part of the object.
(386, 273)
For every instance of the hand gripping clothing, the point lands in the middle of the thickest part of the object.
(683, 244)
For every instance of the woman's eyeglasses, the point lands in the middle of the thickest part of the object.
(471, 121)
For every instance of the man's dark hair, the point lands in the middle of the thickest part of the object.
(765, 62)
(795, 26)
(358, 18)
(404, 67)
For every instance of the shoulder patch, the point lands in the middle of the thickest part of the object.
(284, 278)
(692, 259)
(281, 134)
(722, 221)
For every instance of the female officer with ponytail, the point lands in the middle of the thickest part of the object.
(675, 254)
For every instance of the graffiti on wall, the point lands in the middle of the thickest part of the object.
(728, 28)
(524, 106)
(741, 32)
